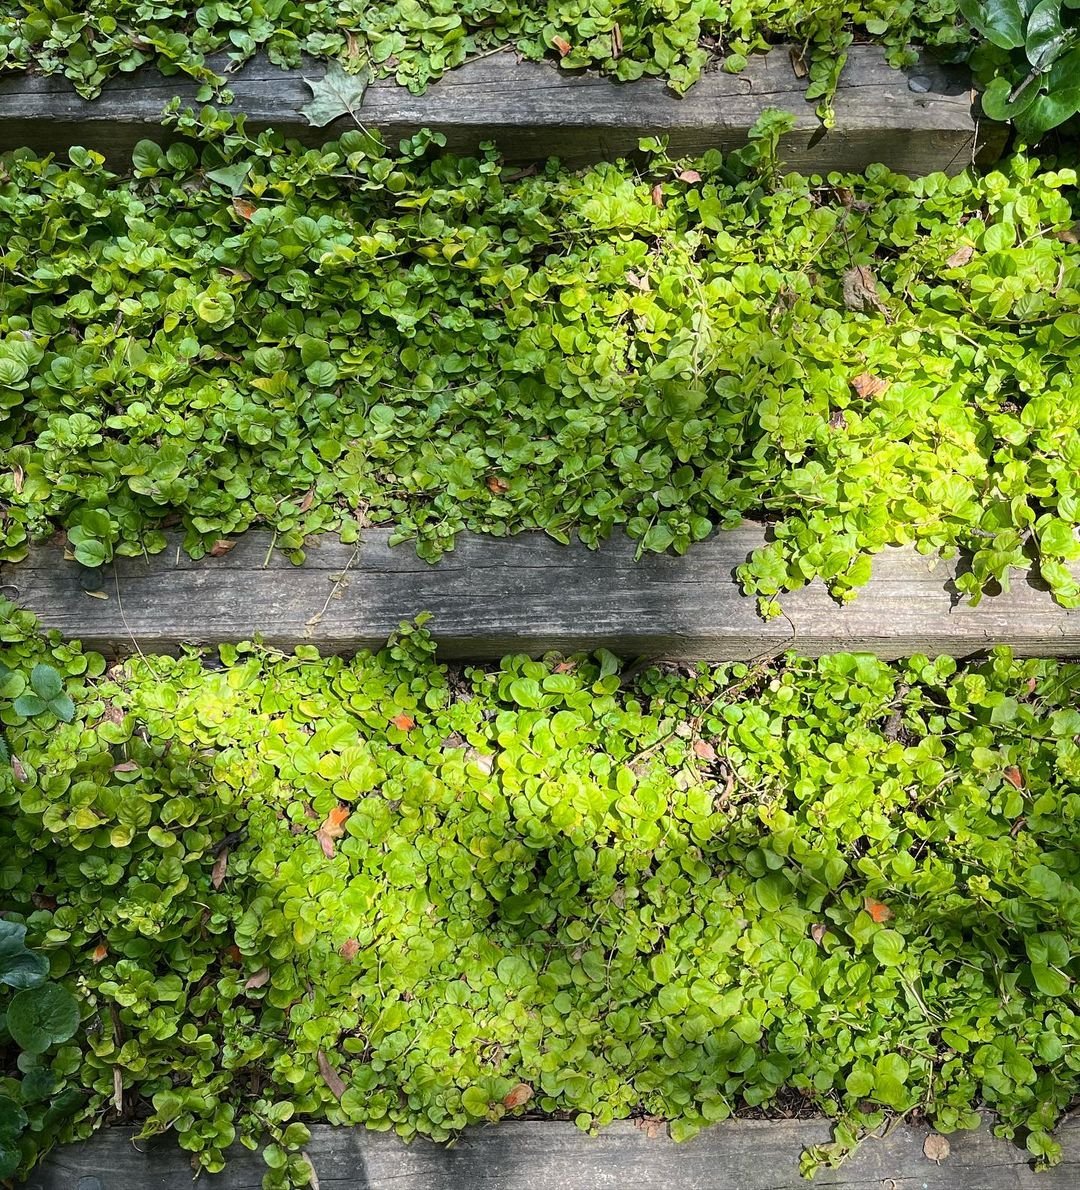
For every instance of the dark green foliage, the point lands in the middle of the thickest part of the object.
(1030, 62)
(854, 879)
(314, 340)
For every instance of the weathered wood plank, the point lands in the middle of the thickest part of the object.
(492, 596)
(536, 1155)
(916, 121)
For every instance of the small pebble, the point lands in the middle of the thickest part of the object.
(919, 83)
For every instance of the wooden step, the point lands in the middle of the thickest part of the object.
(493, 596)
(916, 121)
(540, 1154)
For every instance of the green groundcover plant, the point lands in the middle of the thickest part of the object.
(417, 40)
(250, 333)
(380, 891)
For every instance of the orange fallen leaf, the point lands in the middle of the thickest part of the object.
(562, 45)
(704, 750)
(866, 385)
(350, 948)
(99, 953)
(309, 496)
(330, 1076)
(689, 175)
(234, 954)
(497, 485)
(244, 208)
(333, 827)
(878, 910)
(258, 980)
(403, 722)
(1014, 777)
(221, 547)
(221, 866)
(518, 1095)
(566, 667)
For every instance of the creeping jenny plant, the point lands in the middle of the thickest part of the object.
(247, 333)
(382, 892)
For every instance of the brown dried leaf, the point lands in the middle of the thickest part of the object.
(403, 722)
(637, 282)
(99, 953)
(118, 1089)
(333, 827)
(483, 760)
(128, 766)
(866, 385)
(562, 45)
(689, 175)
(350, 948)
(616, 42)
(258, 980)
(817, 931)
(19, 769)
(497, 485)
(566, 667)
(221, 547)
(837, 420)
(1014, 777)
(960, 257)
(221, 866)
(936, 1147)
(1069, 235)
(309, 496)
(657, 195)
(17, 477)
(312, 1176)
(703, 750)
(330, 1076)
(798, 63)
(844, 196)
(244, 208)
(518, 1095)
(860, 291)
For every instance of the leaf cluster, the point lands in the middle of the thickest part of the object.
(1029, 62)
(378, 891)
(249, 333)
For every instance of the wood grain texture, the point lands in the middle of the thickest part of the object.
(539, 1155)
(915, 121)
(493, 596)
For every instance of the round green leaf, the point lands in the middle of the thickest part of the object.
(40, 1017)
(19, 967)
(29, 705)
(46, 681)
(889, 948)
